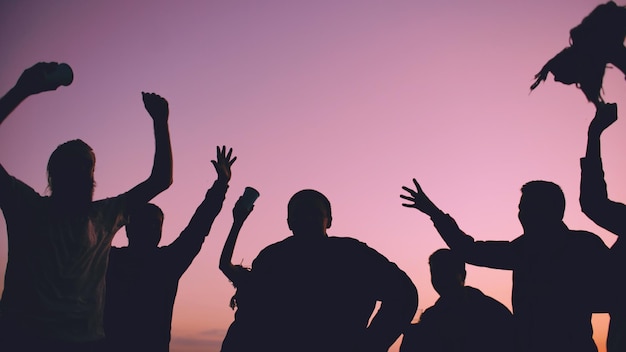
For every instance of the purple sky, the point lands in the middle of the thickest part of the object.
(352, 98)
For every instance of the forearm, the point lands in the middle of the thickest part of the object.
(593, 143)
(10, 101)
(162, 167)
(491, 254)
(450, 232)
(593, 193)
(594, 200)
(226, 265)
(202, 220)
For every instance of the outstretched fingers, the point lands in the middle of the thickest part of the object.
(224, 162)
(410, 197)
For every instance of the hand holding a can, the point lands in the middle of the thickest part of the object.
(44, 76)
(245, 205)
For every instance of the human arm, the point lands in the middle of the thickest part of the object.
(413, 338)
(399, 300)
(161, 176)
(240, 214)
(32, 81)
(193, 235)
(493, 254)
(594, 199)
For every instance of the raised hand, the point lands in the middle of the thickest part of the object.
(241, 211)
(33, 80)
(223, 163)
(606, 115)
(156, 106)
(419, 200)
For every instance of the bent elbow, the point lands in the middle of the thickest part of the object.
(589, 206)
(225, 266)
(163, 182)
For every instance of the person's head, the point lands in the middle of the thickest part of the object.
(308, 213)
(542, 203)
(71, 171)
(144, 227)
(447, 272)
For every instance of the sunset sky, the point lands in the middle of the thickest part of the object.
(353, 98)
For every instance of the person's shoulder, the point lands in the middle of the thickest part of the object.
(119, 258)
(484, 300)
(354, 247)
(586, 238)
(273, 249)
(118, 251)
(286, 242)
(347, 241)
(15, 189)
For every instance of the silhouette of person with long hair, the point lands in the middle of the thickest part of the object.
(314, 292)
(555, 269)
(142, 279)
(597, 41)
(463, 318)
(610, 215)
(53, 297)
(239, 275)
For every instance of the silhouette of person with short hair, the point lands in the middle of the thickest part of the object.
(610, 215)
(53, 297)
(555, 269)
(597, 41)
(142, 279)
(314, 292)
(463, 318)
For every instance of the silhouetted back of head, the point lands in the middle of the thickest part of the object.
(542, 203)
(447, 272)
(144, 227)
(309, 213)
(70, 172)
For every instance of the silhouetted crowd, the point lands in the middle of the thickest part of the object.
(67, 289)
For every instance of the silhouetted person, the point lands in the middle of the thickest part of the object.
(53, 297)
(236, 273)
(312, 292)
(596, 42)
(609, 215)
(555, 269)
(239, 275)
(463, 318)
(142, 279)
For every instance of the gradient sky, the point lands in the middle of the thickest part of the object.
(352, 98)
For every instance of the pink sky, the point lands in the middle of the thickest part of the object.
(352, 98)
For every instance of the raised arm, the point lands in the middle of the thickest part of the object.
(161, 176)
(493, 254)
(232, 271)
(32, 81)
(188, 244)
(420, 201)
(594, 199)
